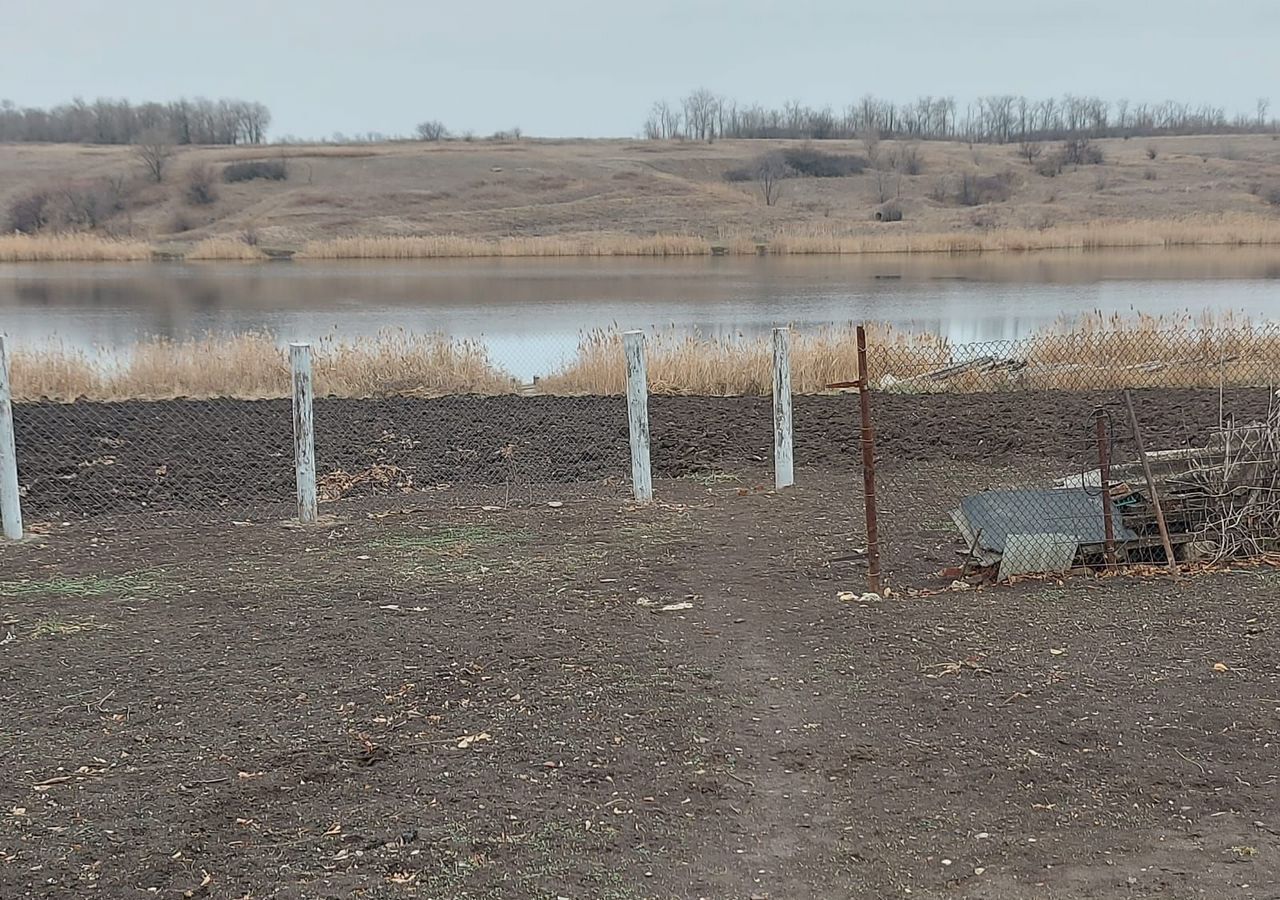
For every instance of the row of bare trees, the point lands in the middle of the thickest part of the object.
(105, 121)
(703, 115)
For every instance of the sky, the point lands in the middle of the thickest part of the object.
(592, 68)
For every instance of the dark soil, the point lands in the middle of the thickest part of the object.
(88, 459)
(442, 703)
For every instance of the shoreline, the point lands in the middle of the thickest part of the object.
(1102, 235)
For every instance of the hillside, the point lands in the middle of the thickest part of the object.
(489, 190)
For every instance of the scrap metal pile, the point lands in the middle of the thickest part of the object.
(1218, 501)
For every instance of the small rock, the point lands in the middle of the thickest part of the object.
(961, 586)
(555, 504)
(979, 870)
(946, 862)
(676, 607)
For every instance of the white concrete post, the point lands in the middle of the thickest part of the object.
(10, 503)
(304, 447)
(783, 459)
(638, 415)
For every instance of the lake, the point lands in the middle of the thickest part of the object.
(531, 311)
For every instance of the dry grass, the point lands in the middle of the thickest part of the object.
(1095, 352)
(726, 366)
(452, 246)
(1226, 230)
(70, 248)
(397, 362)
(254, 366)
(1236, 230)
(224, 248)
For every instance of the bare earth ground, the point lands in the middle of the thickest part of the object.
(444, 702)
(491, 189)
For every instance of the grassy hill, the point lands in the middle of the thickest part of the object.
(583, 190)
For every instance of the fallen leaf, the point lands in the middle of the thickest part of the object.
(676, 607)
(555, 504)
(245, 776)
(1056, 651)
(1220, 667)
(468, 739)
(204, 883)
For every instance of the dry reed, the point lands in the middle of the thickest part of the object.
(224, 248)
(70, 248)
(255, 366)
(729, 366)
(1134, 233)
(453, 246)
(1238, 230)
(1092, 353)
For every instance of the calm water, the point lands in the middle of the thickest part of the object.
(530, 312)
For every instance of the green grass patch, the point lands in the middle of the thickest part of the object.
(62, 626)
(711, 479)
(129, 584)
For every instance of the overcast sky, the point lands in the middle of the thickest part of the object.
(592, 68)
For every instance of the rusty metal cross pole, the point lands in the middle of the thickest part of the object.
(868, 441)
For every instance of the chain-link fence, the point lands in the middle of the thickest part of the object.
(991, 460)
(1001, 459)
(428, 416)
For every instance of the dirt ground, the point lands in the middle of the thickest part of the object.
(595, 700)
(492, 189)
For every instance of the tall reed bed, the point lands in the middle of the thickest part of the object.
(1136, 233)
(729, 366)
(225, 248)
(255, 366)
(453, 246)
(70, 248)
(1091, 353)
(1235, 230)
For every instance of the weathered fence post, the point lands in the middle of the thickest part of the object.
(638, 415)
(868, 464)
(1104, 479)
(10, 502)
(783, 460)
(304, 447)
(1151, 485)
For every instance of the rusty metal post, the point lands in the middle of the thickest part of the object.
(868, 464)
(1104, 478)
(1151, 486)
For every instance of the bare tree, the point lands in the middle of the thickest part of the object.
(432, 130)
(770, 170)
(153, 149)
(871, 143)
(1030, 151)
(1264, 104)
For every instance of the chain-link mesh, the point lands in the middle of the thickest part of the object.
(1001, 459)
(500, 432)
(121, 462)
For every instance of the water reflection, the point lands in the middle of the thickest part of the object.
(531, 311)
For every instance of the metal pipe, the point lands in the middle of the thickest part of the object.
(1104, 474)
(1151, 486)
(868, 464)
